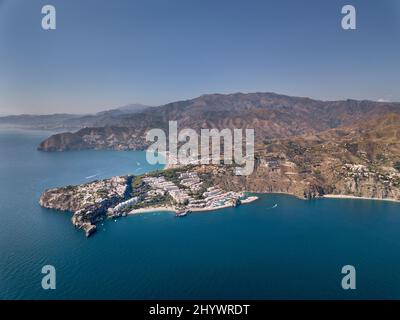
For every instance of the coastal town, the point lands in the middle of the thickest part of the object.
(179, 190)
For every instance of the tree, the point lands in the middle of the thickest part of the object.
(137, 182)
(397, 165)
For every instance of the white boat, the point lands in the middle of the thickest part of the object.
(182, 213)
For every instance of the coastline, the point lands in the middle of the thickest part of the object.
(331, 196)
(172, 209)
(246, 201)
(339, 196)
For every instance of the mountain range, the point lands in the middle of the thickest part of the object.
(70, 122)
(304, 147)
(271, 115)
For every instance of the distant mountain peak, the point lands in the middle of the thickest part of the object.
(129, 108)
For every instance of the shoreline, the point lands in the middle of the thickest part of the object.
(249, 200)
(339, 196)
(328, 196)
(152, 209)
(193, 210)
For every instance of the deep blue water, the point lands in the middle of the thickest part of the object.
(295, 250)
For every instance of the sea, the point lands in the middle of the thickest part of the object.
(278, 247)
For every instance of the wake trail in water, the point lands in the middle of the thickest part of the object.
(90, 177)
(273, 207)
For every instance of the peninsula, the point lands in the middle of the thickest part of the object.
(181, 190)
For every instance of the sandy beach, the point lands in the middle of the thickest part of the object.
(338, 196)
(152, 209)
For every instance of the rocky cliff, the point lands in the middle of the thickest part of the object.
(112, 138)
(87, 202)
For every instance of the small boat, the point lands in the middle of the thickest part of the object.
(273, 207)
(182, 213)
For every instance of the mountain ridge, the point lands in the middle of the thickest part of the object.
(270, 114)
(66, 121)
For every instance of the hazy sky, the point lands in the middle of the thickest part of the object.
(112, 53)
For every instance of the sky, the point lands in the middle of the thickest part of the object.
(106, 54)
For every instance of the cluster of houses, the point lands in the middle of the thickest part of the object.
(215, 197)
(160, 184)
(98, 191)
(211, 198)
(362, 171)
(190, 180)
(188, 192)
(118, 210)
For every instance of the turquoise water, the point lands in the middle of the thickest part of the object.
(295, 250)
